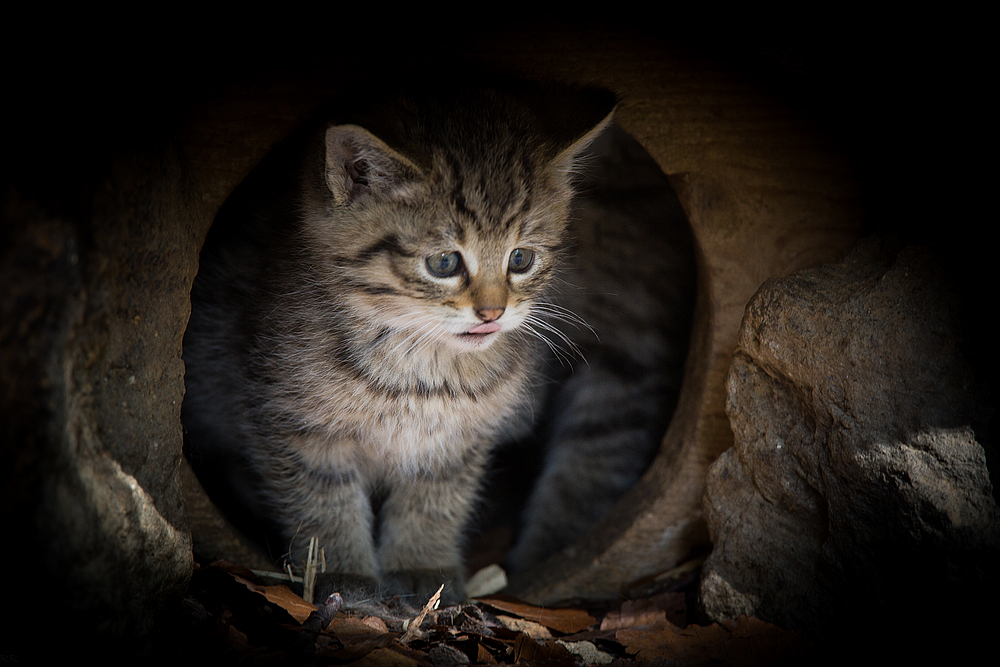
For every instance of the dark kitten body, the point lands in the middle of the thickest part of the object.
(365, 329)
(629, 275)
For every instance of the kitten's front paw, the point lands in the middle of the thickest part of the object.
(352, 587)
(423, 583)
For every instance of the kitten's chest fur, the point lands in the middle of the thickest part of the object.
(399, 409)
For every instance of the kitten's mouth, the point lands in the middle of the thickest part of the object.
(481, 333)
(484, 328)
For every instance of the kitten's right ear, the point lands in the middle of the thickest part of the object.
(359, 163)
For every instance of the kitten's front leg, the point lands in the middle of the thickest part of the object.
(422, 524)
(602, 439)
(318, 491)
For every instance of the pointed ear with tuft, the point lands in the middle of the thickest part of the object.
(581, 124)
(358, 164)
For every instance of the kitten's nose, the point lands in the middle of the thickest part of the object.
(489, 314)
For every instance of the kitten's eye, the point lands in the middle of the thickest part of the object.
(445, 264)
(521, 259)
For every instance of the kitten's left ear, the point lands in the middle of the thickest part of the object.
(359, 163)
(591, 114)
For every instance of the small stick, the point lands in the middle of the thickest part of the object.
(309, 578)
(413, 627)
(321, 618)
(316, 623)
(281, 576)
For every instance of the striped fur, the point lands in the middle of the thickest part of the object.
(337, 386)
(614, 384)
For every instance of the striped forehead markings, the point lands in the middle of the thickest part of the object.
(517, 194)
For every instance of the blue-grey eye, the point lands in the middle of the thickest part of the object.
(445, 264)
(521, 259)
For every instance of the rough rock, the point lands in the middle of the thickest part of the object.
(857, 489)
(93, 381)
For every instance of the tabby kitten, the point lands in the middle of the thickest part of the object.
(613, 383)
(363, 335)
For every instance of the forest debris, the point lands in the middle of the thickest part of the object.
(240, 615)
(529, 651)
(321, 618)
(384, 657)
(563, 620)
(278, 576)
(745, 641)
(588, 653)
(444, 655)
(413, 627)
(314, 556)
(530, 628)
(487, 581)
(278, 594)
(670, 607)
(361, 636)
(283, 596)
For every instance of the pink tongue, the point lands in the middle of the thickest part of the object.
(484, 328)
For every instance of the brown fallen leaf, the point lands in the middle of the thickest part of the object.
(278, 594)
(648, 611)
(360, 636)
(283, 596)
(744, 641)
(350, 627)
(384, 657)
(528, 651)
(530, 628)
(484, 656)
(563, 620)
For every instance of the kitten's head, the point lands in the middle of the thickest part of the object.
(444, 220)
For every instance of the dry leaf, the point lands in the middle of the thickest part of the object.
(671, 607)
(282, 596)
(530, 652)
(376, 624)
(740, 642)
(360, 636)
(530, 628)
(563, 620)
(384, 657)
(351, 627)
(588, 653)
(278, 594)
(484, 656)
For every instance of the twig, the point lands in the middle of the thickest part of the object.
(281, 576)
(315, 623)
(413, 627)
(309, 577)
(321, 618)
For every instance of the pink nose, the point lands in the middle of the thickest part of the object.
(489, 314)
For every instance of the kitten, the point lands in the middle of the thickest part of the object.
(614, 383)
(362, 336)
